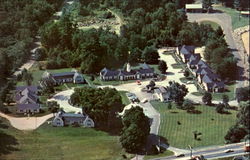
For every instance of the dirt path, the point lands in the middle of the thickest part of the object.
(26, 123)
(245, 39)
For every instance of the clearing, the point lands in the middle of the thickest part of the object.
(213, 24)
(49, 142)
(245, 39)
(212, 126)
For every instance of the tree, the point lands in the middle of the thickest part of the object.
(162, 66)
(177, 91)
(186, 73)
(225, 99)
(242, 127)
(103, 112)
(150, 55)
(188, 105)
(219, 32)
(136, 127)
(220, 108)
(169, 105)
(207, 98)
(27, 77)
(242, 94)
(53, 106)
(207, 4)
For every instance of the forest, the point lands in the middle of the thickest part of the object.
(150, 25)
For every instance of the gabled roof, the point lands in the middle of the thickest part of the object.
(219, 84)
(72, 115)
(187, 49)
(63, 75)
(28, 97)
(206, 79)
(107, 72)
(202, 64)
(145, 66)
(28, 106)
(31, 88)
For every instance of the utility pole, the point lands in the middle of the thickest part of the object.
(190, 151)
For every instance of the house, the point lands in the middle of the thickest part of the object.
(129, 74)
(185, 52)
(64, 119)
(27, 100)
(60, 78)
(200, 69)
(193, 61)
(162, 94)
(194, 8)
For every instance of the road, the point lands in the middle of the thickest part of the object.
(26, 123)
(224, 20)
(211, 152)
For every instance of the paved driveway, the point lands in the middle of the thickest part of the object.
(224, 20)
(62, 99)
(26, 123)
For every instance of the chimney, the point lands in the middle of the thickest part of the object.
(128, 67)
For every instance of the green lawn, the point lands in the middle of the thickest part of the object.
(47, 143)
(237, 21)
(37, 74)
(230, 92)
(213, 24)
(212, 125)
(164, 154)
(125, 99)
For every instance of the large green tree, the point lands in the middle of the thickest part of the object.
(177, 91)
(136, 127)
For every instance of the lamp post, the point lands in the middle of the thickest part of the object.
(190, 151)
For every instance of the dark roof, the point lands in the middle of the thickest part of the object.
(202, 64)
(107, 72)
(27, 106)
(219, 84)
(145, 66)
(27, 96)
(72, 115)
(207, 79)
(31, 88)
(145, 69)
(195, 57)
(63, 75)
(187, 49)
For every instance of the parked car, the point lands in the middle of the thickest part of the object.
(180, 155)
(138, 82)
(144, 100)
(229, 151)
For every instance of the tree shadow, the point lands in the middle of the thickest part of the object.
(7, 143)
(194, 111)
(169, 73)
(4, 126)
(155, 140)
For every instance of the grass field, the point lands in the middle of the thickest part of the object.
(229, 93)
(213, 24)
(49, 143)
(237, 21)
(212, 125)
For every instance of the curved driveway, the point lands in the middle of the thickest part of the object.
(224, 20)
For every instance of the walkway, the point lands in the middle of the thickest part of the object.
(26, 123)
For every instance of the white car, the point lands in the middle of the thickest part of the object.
(228, 151)
(144, 100)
